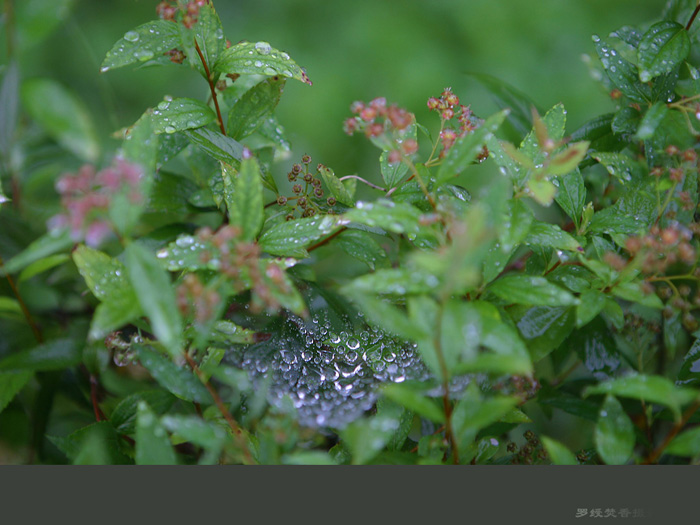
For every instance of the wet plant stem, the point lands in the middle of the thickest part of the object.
(692, 18)
(212, 87)
(235, 427)
(654, 456)
(447, 405)
(25, 311)
(326, 240)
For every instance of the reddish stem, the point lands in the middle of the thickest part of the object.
(212, 87)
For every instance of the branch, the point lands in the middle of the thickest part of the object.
(212, 87)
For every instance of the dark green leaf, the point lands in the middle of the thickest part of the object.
(54, 355)
(10, 385)
(591, 304)
(206, 36)
(47, 244)
(663, 47)
(396, 217)
(362, 246)
(215, 144)
(621, 73)
(179, 114)
(544, 328)
(123, 418)
(571, 195)
(96, 444)
(9, 106)
(180, 381)
(254, 107)
(63, 115)
(245, 204)
(558, 452)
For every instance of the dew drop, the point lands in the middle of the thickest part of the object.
(131, 36)
(263, 48)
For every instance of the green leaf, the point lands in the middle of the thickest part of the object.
(543, 191)
(626, 121)
(206, 434)
(152, 442)
(397, 217)
(9, 106)
(634, 291)
(551, 236)
(506, 96)
(466, 148)
(362, 246)
(96, 444)
(654, 389)
(651, 121)
(395, 281)
(206, 34)
(336, 187)
(42, 265)
(412, 397)
(685, 444)
(555, 123)
(591, 304)
(367, 437)
(663, 47)
(123, 417)
(63, 115)
(10, 385)
(559, 454)
(179, 114)
(54, 355)
(621, 73)
(156, 296)
(614, 433)
(290, 238)
(566, 161)
(47, 244)
(259, 58)
(37, 19)
(544, 328)
(218, 146)
(571, 195)
(147, 41)
(245, 206)
(254, 107)
(179, 381)
(530, 289)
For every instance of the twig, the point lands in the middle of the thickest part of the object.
(212, 87)
(656, 453)
(25, 311)
(326, 240)
(363, 180)
(235, 427)
(692, 18)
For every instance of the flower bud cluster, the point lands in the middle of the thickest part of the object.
(530, 452)
(448, 106)
(190, 11)
(659, 249)
(86, 197)
(308, 193)
(195, 300)
(386, 125)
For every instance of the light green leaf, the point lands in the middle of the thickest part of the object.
(568, 160)
(152, 442)
(291, 238)
(558, 452)
(395, 281)
(614, 433)
(63, 115)
(336, 187)
(194, 429)
(685, 444)
(397, 217)
(254, 107)
(259, 58)
(412, 397)
(156, 296)
(245, 203)
(42, 265)
(542, 191)
(591, 304)
(177, 380)
(47, 244)
(652, 119)
(146, 42)
(551, 236)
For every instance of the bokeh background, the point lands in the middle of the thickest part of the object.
(404, 50)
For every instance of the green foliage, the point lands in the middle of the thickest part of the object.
(198, 298)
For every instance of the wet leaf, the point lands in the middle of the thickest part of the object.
(635, 292)
(544, 328)
(621, 166)
(336, 187)
(395, 281)
(179, 114)
(413, 398)
(362, 246)
(651, 120)
(156, 296)
(152, 442)
(291, 238)
(63, 115)
(146, 42)
(663, 47)
(254, 107)
(209, 37)
(123, 417)
(259, 58)
(245, 202)
(654, 389)
(622, 74)
(367, 437)
(571, 195)
(530, 289)
(614, 433)
(566, 161)
(551, 236)
(596, 348)
(177, 380)
(591, 304)
(218, 146)
(396, 217)
(193, 429)
(466, 149)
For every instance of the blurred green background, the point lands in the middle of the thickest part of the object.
(404, 50)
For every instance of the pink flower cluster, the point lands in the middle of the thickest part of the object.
(86, 196)
(448, 106)
(377, 119)
(167, 11)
